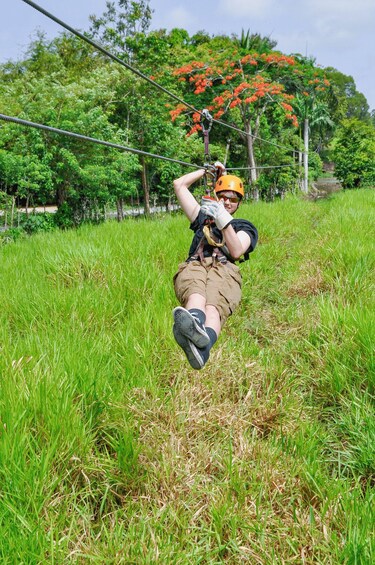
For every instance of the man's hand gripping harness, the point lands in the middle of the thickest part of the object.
(217, 212)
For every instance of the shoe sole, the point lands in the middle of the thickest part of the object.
(188, 347)
(188, 327)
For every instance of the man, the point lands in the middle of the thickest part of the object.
(208, 284)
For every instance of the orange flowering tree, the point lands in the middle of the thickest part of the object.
(241, 90)
(310, 85)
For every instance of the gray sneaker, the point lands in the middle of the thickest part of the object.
(193, 356)
(188, 326)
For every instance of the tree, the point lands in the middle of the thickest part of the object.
(119, 23)
(35, 181)
(74, 100)
(153, 132)
(25, 171)
(352, 104)
(141, 110)
(312, 92)
(240, 88)
(10, 170)
(255, 42)
(354, 154)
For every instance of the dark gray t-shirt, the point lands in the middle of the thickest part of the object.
(237, 224)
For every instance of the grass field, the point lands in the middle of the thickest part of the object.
(113, 450)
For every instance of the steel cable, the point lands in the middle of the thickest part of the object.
(51, 129)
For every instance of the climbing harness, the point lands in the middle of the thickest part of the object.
(217, 253)
(210, 237)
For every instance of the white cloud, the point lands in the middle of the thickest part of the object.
(342, 18)
(361, 8)
(246, 8)
(326, 16)
(179, 17)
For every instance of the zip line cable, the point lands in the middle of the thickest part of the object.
(140, 74)
(105, 52)
(81, 137)
(51, 129)
(262, 167)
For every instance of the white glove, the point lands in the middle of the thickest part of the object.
(222, 217)
(219, 165)
(216, 210)
(209, 206)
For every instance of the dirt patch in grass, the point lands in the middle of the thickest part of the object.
(324, 187)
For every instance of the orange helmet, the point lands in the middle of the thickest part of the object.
(230, 182)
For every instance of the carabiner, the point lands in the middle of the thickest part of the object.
(206, 116)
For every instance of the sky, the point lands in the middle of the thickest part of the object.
(337, 33)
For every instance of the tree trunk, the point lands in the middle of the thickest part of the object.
(250, 154)
(120, 209)
(12, 211)
(60, 195)
(253, 171)
(305, 155)
(251, 161)
(146, 190)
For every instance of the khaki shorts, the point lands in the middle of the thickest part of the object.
(219, 283)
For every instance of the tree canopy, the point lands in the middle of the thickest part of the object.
(258, 98)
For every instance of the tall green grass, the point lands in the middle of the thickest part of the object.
(112, 450)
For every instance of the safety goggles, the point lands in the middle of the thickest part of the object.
(232, 199)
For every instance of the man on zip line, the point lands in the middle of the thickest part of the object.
(208, 283)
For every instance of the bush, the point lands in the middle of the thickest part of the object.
(37, 222)
(277, 182)
(64, 217)
(354, 154)
(315, 166)
(28, 225)
(11, 234)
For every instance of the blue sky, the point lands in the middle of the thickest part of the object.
(337, 33)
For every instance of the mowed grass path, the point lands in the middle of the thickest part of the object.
(113, 450)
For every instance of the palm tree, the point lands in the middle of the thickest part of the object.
(314, 114)
(255, 42)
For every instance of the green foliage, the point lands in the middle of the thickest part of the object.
(64, 83)
(28, 224)
(354, 154)
(351, 103)
(255, 42)
(11, 234)
(64, 217)
(5, 200)
(315, 166)
(275, 183)
(84, 175)
(34, 223)
(122, 22)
